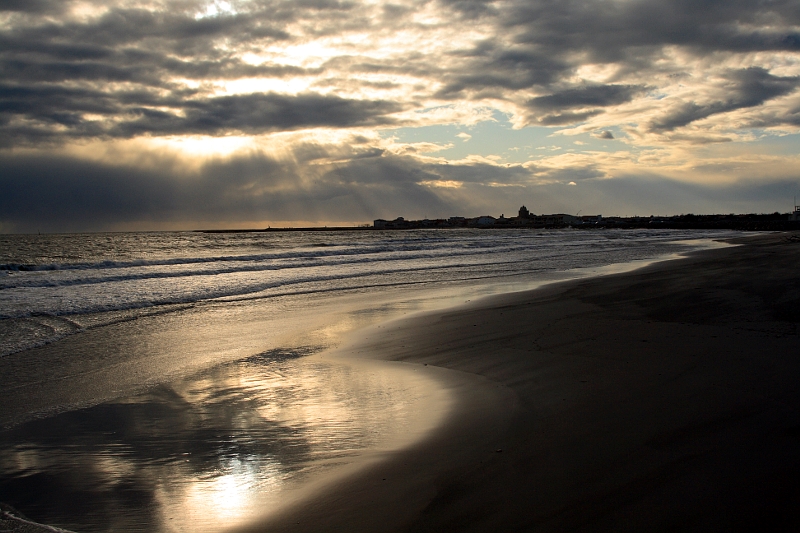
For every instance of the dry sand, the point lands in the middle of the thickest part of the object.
(663, 399)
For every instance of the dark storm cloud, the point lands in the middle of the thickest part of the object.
(567, 118)
(490, 67)
(611, 30)
(471, 9)
(29, 6)
(38, 109)
(64, 193)
(256, 113)
(58, 193)
(592, 96)
(745, 88)
(48, 191)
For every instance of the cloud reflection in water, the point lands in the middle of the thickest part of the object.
(202, 453)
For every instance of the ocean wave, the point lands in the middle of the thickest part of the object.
(98, 316)
(104, 303)
(248, 264)
(311, 250)
(106, 265)
(10, 517)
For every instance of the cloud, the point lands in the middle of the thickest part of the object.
(558, 119)
(549, 43)
(492, 67)
(38, 113)
(64, 193)
(678, 78)
(61, 193)
(582, 97)
(742, 88)
(547, 62)
(262, 112)
(29, 6)
(471, 9)
(611, 31)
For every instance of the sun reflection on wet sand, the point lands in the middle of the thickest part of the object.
(216, 499)
(215, 450)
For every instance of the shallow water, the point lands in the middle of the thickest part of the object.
(213, 450)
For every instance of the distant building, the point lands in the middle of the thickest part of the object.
(591, 219)
(503, 221)
(524, 218)
(483, 221)
(398, 223)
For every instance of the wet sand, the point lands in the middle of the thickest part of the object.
(663, 399)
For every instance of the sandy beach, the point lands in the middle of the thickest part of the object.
(663, 399)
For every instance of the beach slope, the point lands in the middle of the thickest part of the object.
(663, 399)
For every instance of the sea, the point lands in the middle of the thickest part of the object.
(171, 381)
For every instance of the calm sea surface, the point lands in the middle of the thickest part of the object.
(161, 381)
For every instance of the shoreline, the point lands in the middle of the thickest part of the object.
(657, 399)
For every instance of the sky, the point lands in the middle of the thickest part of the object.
(190, 114)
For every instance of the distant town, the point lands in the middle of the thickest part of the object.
(526, 219)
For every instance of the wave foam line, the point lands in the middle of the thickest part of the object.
(13, 283)
(216, 294)
(394, 246)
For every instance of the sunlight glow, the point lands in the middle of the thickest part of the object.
(444, 184)
(216, 8)
(309, 54)
(219, 501)
(204, 146)
(226, 497)
(87, 10)
(598, 73)
(290, 86)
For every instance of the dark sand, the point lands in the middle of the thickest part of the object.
(663, 399)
